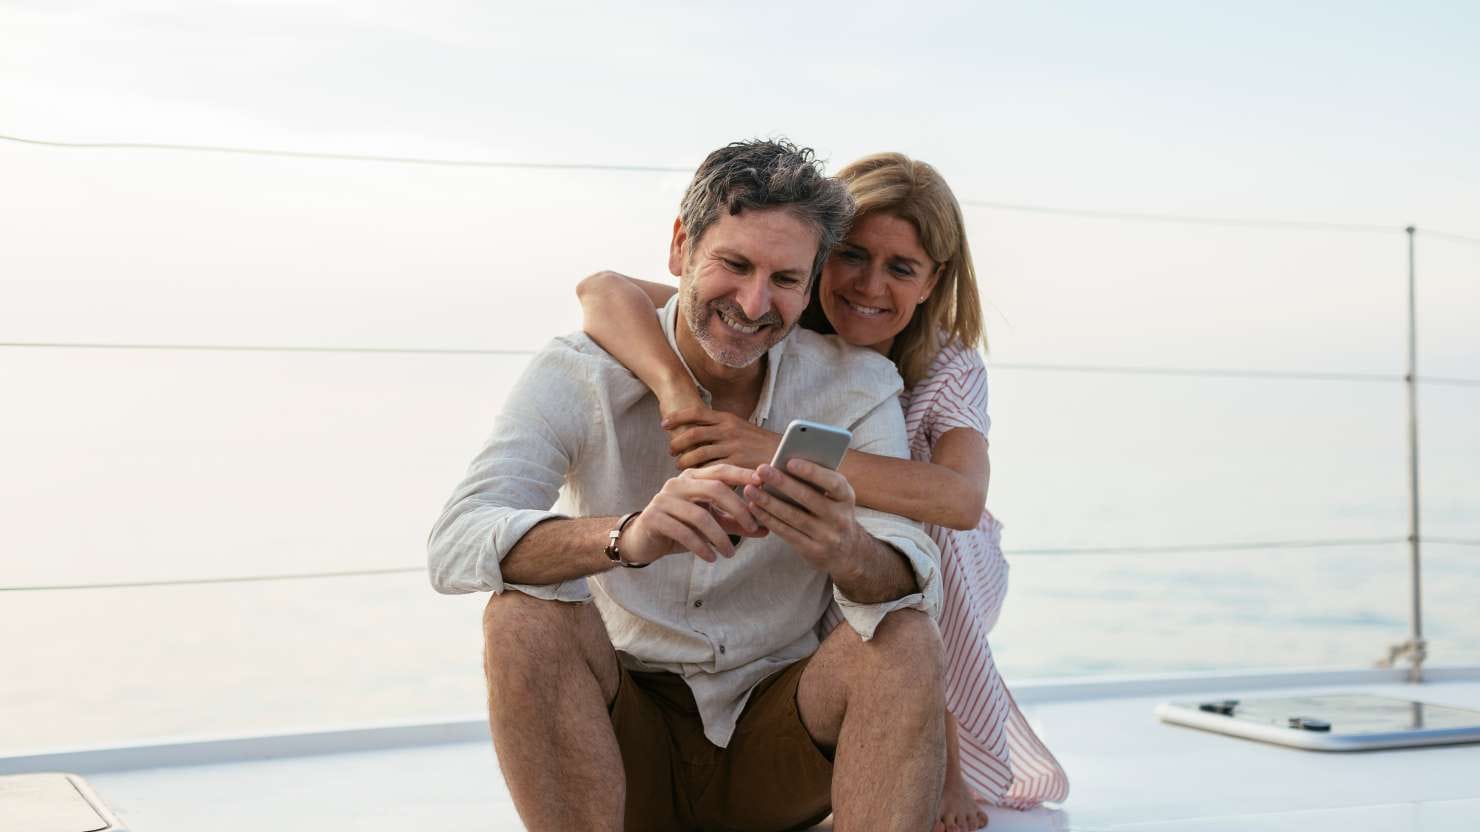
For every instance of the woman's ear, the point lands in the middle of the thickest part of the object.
(677, 249)
(930, 282)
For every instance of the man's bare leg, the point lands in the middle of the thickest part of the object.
(880, 704)
(551, 671)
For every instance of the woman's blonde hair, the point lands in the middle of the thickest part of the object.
(895, 184)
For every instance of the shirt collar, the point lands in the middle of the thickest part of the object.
(762, 412)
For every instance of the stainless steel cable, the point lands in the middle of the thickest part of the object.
(1203, 372)
(347, 573)
(350, 157)
(1245, 546)
(1189, 219)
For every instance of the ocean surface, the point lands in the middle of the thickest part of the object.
(126, 466)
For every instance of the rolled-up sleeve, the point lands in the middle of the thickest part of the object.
(512, 483)
(924, 557)
(882, 432)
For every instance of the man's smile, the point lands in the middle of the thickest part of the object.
(736, 322)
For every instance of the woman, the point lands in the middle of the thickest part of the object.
(901, 283)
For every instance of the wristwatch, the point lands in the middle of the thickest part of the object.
(613, 549)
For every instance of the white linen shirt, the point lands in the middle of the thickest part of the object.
(579, 432)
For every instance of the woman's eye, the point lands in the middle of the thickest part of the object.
(850, 255)
(902, 271)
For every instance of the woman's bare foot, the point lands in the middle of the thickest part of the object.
(959, 811)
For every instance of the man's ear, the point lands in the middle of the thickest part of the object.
(677, 250)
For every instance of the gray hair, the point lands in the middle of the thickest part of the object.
(768, 173)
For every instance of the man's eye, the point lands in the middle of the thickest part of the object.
(787, 282)
(735, 265)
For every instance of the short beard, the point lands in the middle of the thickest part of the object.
(697, 317)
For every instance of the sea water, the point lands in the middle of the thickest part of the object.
(142, 466)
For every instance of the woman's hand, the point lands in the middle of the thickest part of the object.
(701, 436)
(677, 398)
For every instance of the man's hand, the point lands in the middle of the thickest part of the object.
(695, 511)
(823, 530)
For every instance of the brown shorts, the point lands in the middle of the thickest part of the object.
(772, 776)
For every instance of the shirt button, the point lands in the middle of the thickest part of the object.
(699, 603)
(721, 648)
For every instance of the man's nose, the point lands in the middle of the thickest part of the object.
(755, 299)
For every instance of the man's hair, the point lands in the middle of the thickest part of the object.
(767, 173)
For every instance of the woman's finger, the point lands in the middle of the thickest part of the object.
(703, 455)
(689, 438)
(688, 415)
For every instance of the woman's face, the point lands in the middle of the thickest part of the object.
(874, 281)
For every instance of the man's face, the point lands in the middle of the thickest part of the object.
(744, 285)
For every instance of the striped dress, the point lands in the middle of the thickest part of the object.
(1002, 759)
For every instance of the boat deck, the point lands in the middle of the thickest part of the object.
(1128, 770)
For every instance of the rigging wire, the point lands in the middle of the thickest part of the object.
(1209, 547)
(1249, 546)
(243, 579)
(1190, 219)
(350, 157)
(1204, 372)
(283, 348)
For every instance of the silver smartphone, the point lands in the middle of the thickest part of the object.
(813, 441)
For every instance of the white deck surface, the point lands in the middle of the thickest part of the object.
(1128, 772)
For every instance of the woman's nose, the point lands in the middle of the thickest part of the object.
(871, 282)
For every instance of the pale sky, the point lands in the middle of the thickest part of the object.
(1356, 112)
(1342, 112)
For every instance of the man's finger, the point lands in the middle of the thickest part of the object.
(731, 475)
(826, 480)
(778, 525)
(812, 500)
(719, 495)
(686, 538)
(701, 521)
(804, 523)
(733, 527)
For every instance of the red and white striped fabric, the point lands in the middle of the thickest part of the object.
(1002, 758)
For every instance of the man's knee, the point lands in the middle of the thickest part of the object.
(519, 628)
(907, 646)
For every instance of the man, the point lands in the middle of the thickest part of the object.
(693, 693)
